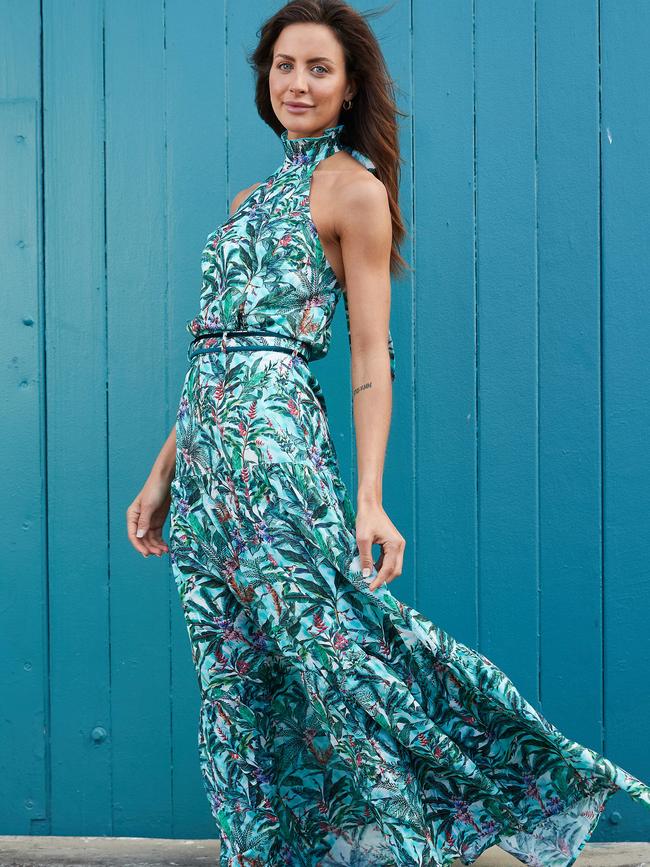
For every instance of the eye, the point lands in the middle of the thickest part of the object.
(286, 63)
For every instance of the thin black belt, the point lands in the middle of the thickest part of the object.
(226, 340)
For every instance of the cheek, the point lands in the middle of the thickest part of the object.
(328, 89)
(275, 83)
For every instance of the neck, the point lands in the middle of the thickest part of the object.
(310, 150)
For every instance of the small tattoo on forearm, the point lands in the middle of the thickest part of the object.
(361, 387)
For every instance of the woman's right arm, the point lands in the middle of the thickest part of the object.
(164, 467)
(146, 515)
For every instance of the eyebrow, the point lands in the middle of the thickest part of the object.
(309, 59)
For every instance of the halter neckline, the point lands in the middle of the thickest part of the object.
(311, 149)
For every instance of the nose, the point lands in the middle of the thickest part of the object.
(297, 82)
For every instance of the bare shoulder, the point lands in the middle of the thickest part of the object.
(242, 195)
(359, 195)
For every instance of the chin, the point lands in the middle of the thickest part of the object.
(304, 128)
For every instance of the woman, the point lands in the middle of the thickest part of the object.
(338, 726)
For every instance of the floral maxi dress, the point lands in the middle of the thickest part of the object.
(337, 725)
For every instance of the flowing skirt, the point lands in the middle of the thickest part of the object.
(337, 725)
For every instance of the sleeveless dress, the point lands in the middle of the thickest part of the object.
(337, 725)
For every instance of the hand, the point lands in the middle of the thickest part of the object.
(146, 515)
(374, 525)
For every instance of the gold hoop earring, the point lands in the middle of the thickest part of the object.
(349, 104)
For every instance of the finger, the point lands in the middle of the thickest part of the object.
(394, 565)
(157, 542)
(144, 531)
(149, 542)
(138, 522)
(132, 514)
(389, 568)
(365, 555)
(141, 545)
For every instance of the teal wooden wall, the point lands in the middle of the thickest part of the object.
(518, 463)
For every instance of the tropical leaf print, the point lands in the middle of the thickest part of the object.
(265, 266)
(338, 727)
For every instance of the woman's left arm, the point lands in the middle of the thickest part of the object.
(364, 228)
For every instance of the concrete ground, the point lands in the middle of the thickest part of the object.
(146, 852)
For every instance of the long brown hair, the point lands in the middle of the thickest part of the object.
(370, 126)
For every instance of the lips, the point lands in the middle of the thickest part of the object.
(298, 105)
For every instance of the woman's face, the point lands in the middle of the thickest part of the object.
(308, 67)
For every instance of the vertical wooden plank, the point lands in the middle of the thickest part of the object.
(23, 576)
(20, 49)
(252, 150)
(24, 721)
(196, 204)
(138, 414)
(393, 30)
(625, 135)
(568, 190)
(76, 429)
(445, 387)
(507, 360)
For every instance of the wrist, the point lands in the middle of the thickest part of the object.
(369, 495)
(163, 471)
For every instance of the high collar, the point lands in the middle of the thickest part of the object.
(310, 150)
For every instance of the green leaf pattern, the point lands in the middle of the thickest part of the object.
(337, 726)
